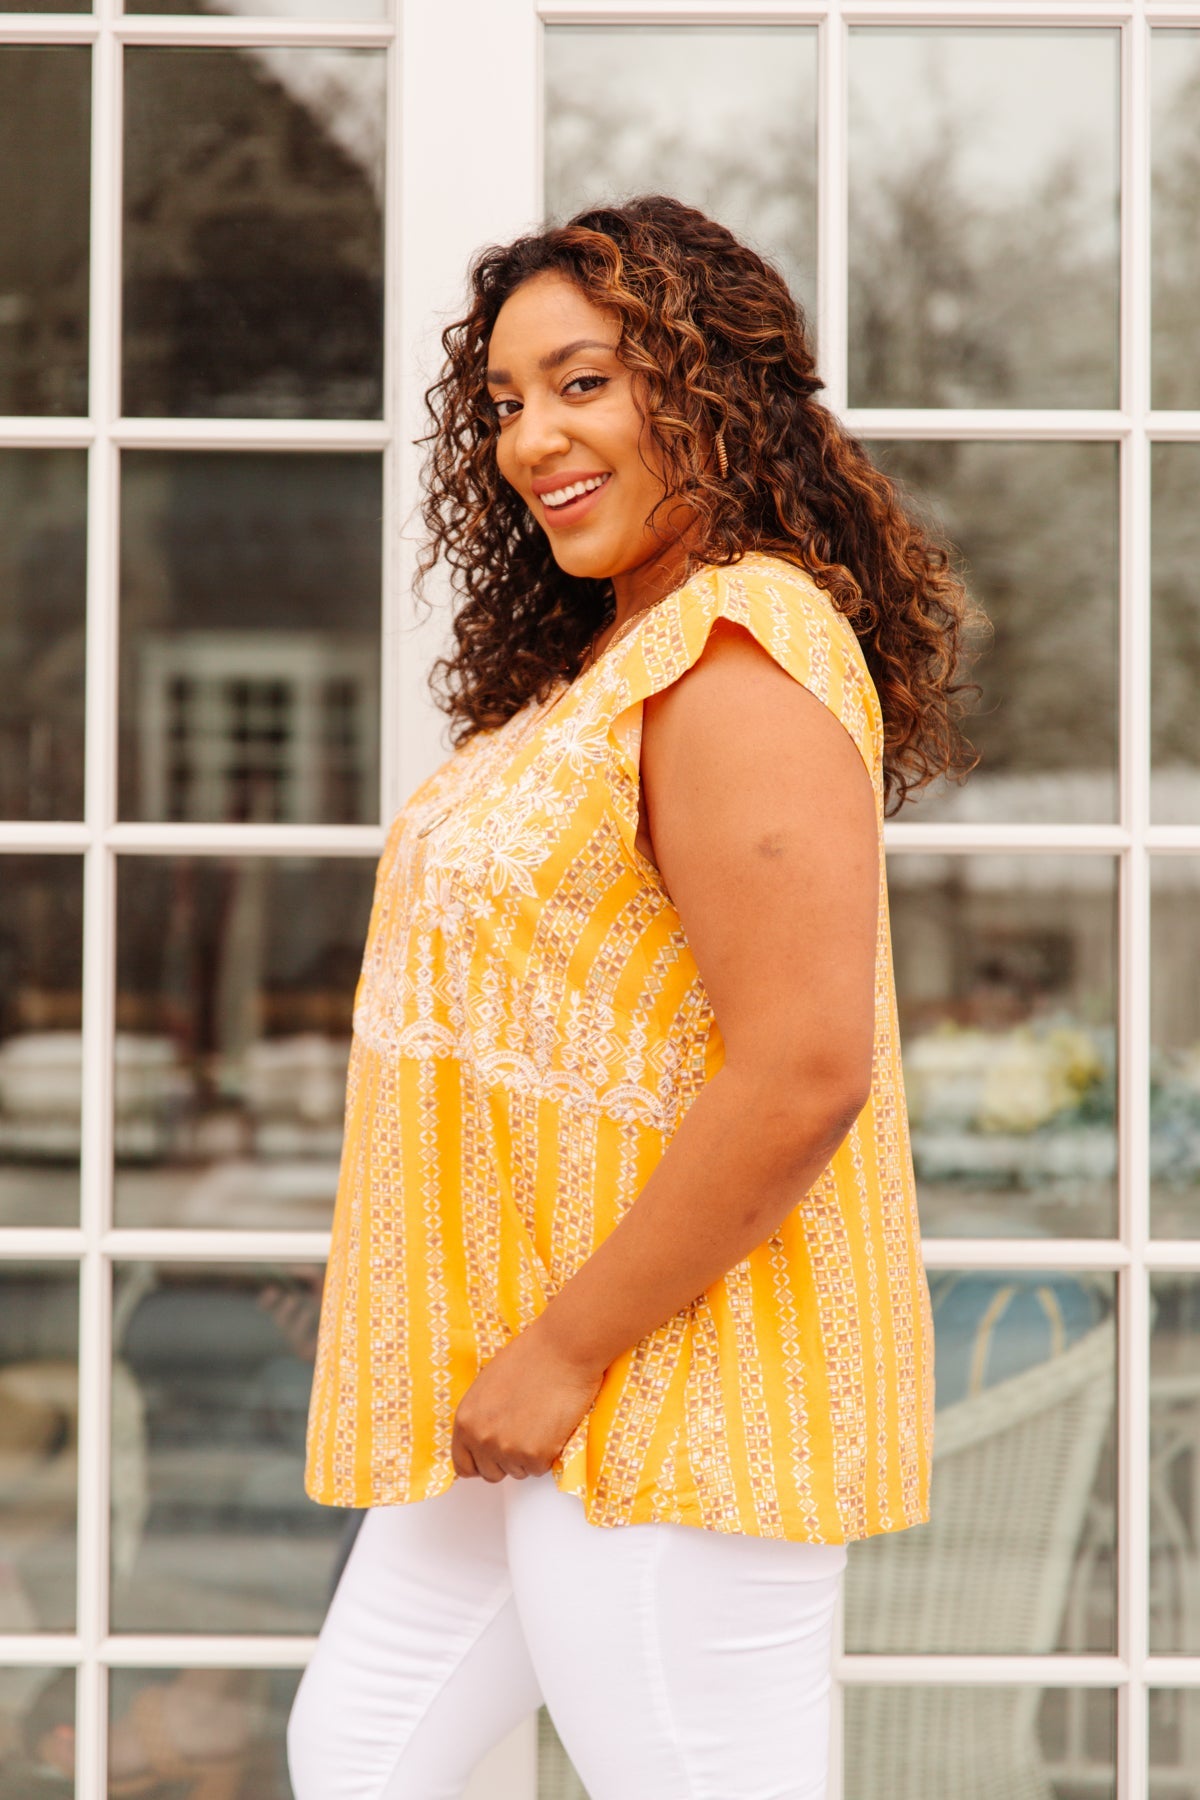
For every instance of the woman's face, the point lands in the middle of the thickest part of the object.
(568, 417)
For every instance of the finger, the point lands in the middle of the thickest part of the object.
(464, 1462)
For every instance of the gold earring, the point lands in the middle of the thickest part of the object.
(722, 459)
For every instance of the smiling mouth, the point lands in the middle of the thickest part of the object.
(563, 500)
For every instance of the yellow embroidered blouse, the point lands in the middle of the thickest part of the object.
(530, 1028)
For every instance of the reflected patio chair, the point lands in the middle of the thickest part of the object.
(990, 1573)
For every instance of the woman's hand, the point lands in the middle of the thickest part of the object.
(520, 1410)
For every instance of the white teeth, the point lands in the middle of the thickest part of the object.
(560, 496)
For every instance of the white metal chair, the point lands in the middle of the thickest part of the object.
(1013, 1468)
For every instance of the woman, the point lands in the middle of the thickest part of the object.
(626, 1222)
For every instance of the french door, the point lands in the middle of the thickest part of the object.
(228, 240)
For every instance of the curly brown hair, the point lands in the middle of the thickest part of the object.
(719, 343)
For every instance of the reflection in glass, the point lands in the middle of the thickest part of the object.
(1175, 217)
(227, 1541)
(250, 607)
(220, 1727)
(1006, 980)
(1175, 1464)
(43, 525)
(41, 1045)
(1174, 1743)
(45, 122)
(39, 1439)
(1019, 1553)
(253, 232)
(235, 983)
(37, 1729)
(1036, 525)
(1175, 1049)
(722, 118)
(912, 1743)
(983, 217)
(1175, 633)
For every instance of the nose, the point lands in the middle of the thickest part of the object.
(538, 433)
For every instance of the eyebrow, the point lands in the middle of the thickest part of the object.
(554, 358)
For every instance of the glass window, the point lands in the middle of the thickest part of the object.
(37, 1729)
(235, 983)
(39, 1444)
(43, 528)
(1006, 981)
(250, 608)
(41, 1043)
(1175, 217)
(722, 118)
(221, 1537)
(1175, 1464)
(253, 232)
(1175, 1054)
(1035, 526)
(222, 1729)
(1174, 1743)
(983, 217)
(1175, 634)
(912, 1743)
(1019, 1553)
(45, 125)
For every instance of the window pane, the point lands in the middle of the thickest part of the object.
(1174, 1743)
(274, 9)
(1006, 979)
(231, 1721)
(723, 118)
(235, 984)
(39, 1438)
(1175, 633)
(1175, 1054)
(225, 1539)
(250, 607)
(1019, 1552)
(983, 217)
(912, 1743)
(43, 526)
(1175, 1464)
(1036, 525)
(45, 121)
(1175, 216)
(253, 234)
(37, 1730)
(41, 1061)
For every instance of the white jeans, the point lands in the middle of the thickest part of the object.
(677, 1663)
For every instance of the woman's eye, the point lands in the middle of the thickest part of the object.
(593, 380)
(499, 405)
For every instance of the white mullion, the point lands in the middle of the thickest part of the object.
(853, 12)
(833, 252)
(1174, 427)
(251, 434)
(988, 424)
(233, 839)
(22, 433)
(163, 1244)
(390, 794)
(48, 28)
(1134, 1023)
(1100, 1254)
(958, 1669)
(149, 1650)
(964, 839)
(99, 897)
(229, 30)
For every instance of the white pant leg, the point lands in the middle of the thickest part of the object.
(421, 1666)
(677, 1663)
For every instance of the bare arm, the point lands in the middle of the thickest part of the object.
(763, 823)
(763, 826)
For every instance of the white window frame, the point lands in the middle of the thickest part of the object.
(464, 168)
